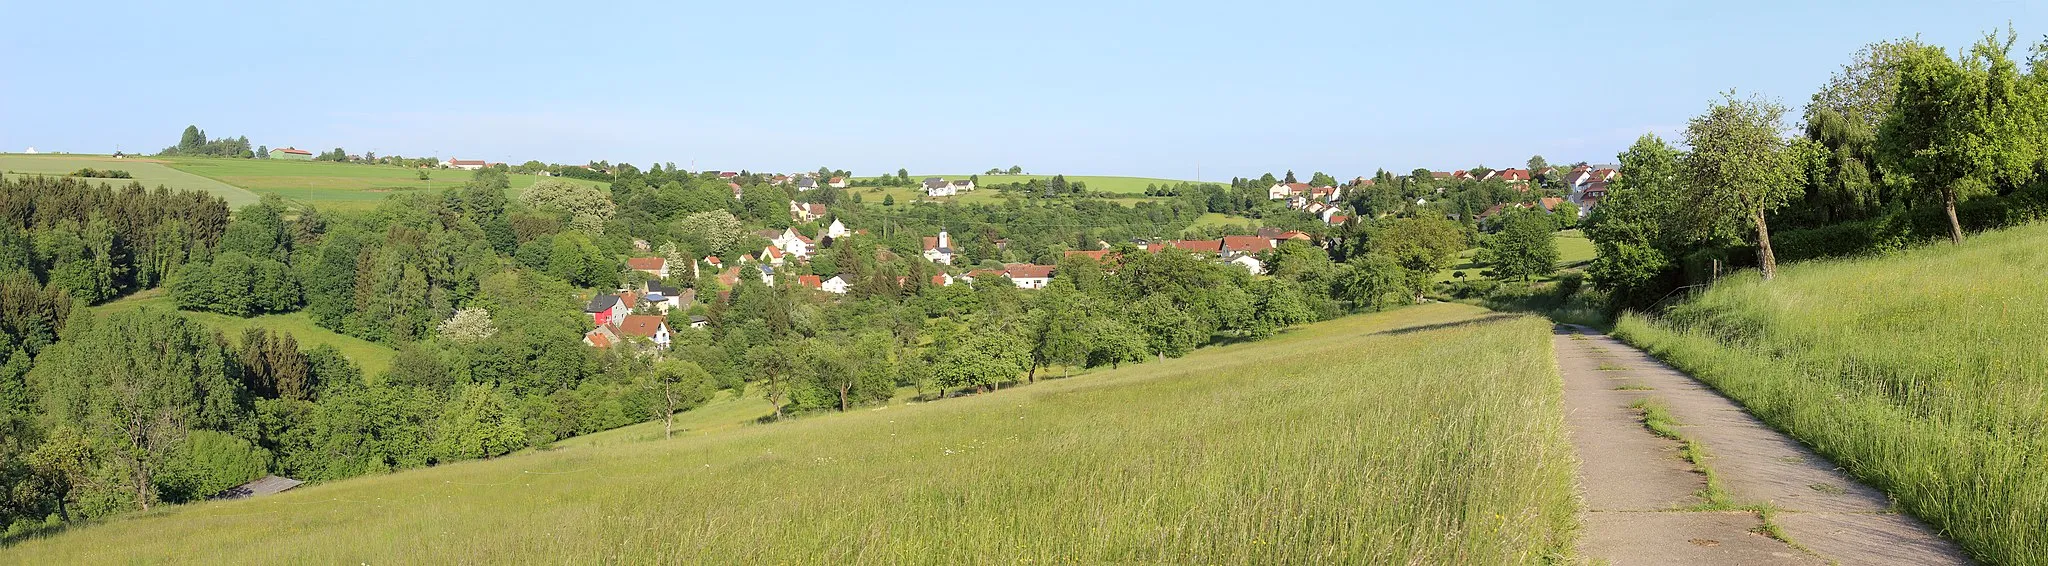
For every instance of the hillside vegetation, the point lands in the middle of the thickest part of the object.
(1344, 441)
(330, 185)
(372, 357)
(150, 172)
(1925, 373)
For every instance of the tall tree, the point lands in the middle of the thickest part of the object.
(1960, 128)
(1739, 169)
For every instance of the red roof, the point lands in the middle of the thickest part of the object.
(1028, 270)
(811, 281)
(454, 161)
(296, 151)
(771, 252)
(1292, 235)
(642, 325)
(1096, 255)
(1514, 174)
(1605, 174)
(1338, 218)
(1203, 246)
(837, 180)
(627, 299)
(728, 175)
(1246, 244)
(1550, 203)
(597, 339)
(646, 263)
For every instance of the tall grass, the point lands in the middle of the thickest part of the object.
(1355, 440)
(1924, 373)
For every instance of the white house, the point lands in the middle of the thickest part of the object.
(805, 212)
(651, 327)
(772, 255)
(938, 187)
(806, 184)
(1023, 275)
(942, 279)
(465, 164)
(939, 249)
(963, 185)
(654, 266)
(837, 230)
(1283, 190)
(793, 243)
(836, 182)
(837, 285)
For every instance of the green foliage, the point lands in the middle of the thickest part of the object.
(479, 422)
(984, 358)
(588, 208)
(1523, 249)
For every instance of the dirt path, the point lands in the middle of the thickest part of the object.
(1646, 503)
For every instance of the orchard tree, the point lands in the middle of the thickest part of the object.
(1739, 169)
(1958, 128)
(683, 384)
(1524, 248)
(1634, 229)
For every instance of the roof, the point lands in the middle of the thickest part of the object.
(1028, 270)
(932, 243)
(1205, 246)
(1439, 175)
(293, 151)
(934, 183)
(1338, 218)
(600, 338)
(727, 175)
(1096, 255)
(962, 183)
(837, 180)
(1550, 203)
(643, 325)
(601, 303)
(267, 485)
(663, 290)
(1246, 244)
(811, 281)
(814, 209)
(771, 251)
(1514, 174)
(807, 182)
(628, 298)
(454, 161)
(646, 263)
(1600, 186)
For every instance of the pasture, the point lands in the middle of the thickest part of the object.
(348, 186)
(372, 357)
(1573, 251)
(148, 171)
(1923, 373)
(1343, 441)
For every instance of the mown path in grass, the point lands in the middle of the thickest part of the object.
(1673, 473)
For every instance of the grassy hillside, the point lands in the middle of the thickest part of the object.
(1924, 373)
(372, 357)
(1106, 183)
(1573, 250)
(1346, 441)
(149, 172)
(328, 184)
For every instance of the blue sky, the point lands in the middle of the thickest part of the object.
(1091, 87)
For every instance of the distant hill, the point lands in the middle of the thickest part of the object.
(150, 172)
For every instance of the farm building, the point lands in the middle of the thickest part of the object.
(291, 153)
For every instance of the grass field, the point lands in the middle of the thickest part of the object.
(1345, 441)
(1221, 219)
(149, 172)
(330, 185)
(1105, 183)
(1923, 373)
(372, 357)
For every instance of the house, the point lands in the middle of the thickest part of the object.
(1485, 176)
(772, 255)
(628, 299)
(699, 321)
(601, 337)
(810, 282)
(938, 187)
(736, 190)
(1097, 255)
(1550, 204)
(793, 243)
(1278, 234)
(963, 185)
(837, 285)
(1285, 190)
(1514, 175)
(942, 279)
(1336, 219)
(1211, 247)
(652, 327)
(664, 299)
(806, 184)
(939, 249)
(766, 272)
(837, 230)
(655, 266)
(267, 485)
(1440, 175)
(465, 164)
(291, 153)
(778, 179)
(604, 309)
(801, 212)
(1233, 246)
(1327, 213)
(836, 182)
(1461, 175)
(1023, 275)
(728, 175)
(730, 277)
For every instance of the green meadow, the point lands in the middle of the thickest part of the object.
(327, 184)
(1924, 373)
(1573, 251)
(1347, 441)
(1104, 183)
(372, 357)
(150, 172)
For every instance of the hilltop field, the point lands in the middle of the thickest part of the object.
(372, 357)
(327, 185)
(1347, 440)
(1924, 373)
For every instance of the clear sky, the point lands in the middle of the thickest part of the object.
(1090, 87)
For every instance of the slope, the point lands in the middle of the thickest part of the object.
(1924, 373)
(372, 357)
(150, 172)
(1349, 440)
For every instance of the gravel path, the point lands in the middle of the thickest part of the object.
(1644, 501)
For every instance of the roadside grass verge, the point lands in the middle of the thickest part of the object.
(1344, 441)
(1924, 374)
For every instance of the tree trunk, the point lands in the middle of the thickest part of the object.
(842, 397)
(1031, 376)
(1765, 257)
(1955, 226)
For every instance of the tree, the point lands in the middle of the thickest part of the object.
(468, 326)
(774, 363)
(1537, 166)
(1322, 179)
(1016, 170)
(903, 176)
(1739, 169)
(714, 232)
(1634, 230)
(984, 358)
(1112, 342)
(1523, 249)
(1056, 333)
(1372, 281)
(1290, 177)
(588, 207)
(1422, 246)
(1958, 128)
(684, 384)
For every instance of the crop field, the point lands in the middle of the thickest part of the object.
(150, 172)
(1348, 441)
(1924, 373)
(372, 357)
(352, 186)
